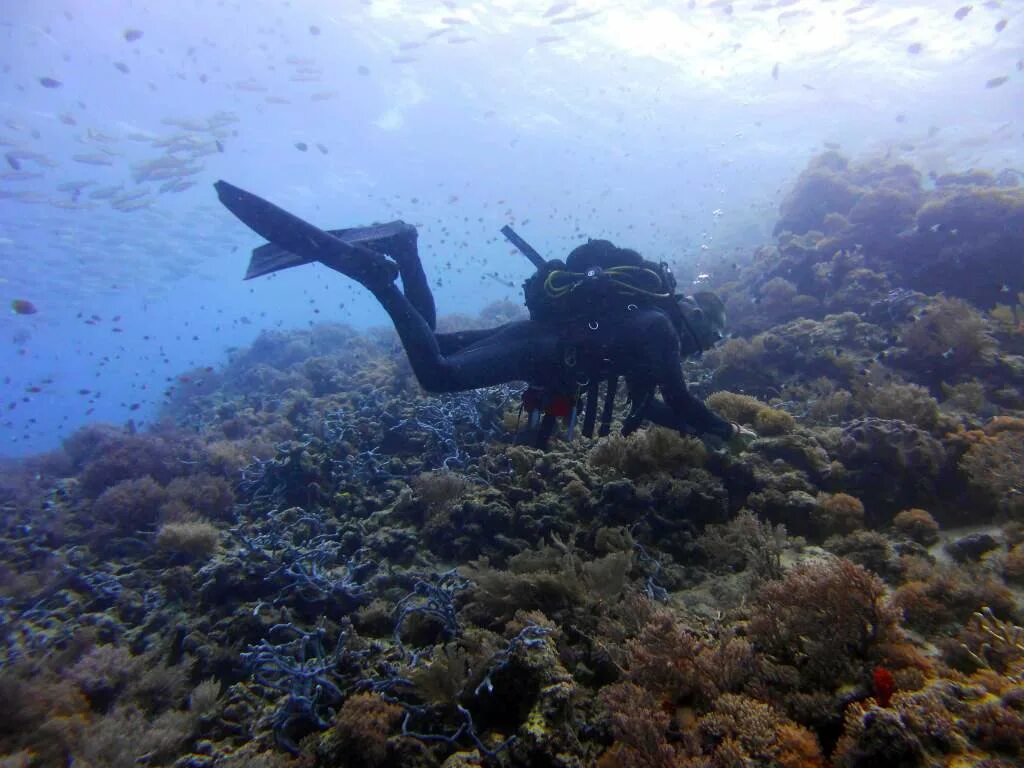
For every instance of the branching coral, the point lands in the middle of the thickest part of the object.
(663, 658)
(910, 402)
(439, 489)
(745, 542)
(639, 726)
(949, 334)
(360, 733)
(995, 643)
(649, 451)
(942, 598)
(551, 579)
(994, 463)
(828, 619)
(751, 732)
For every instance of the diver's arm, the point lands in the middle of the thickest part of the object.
(680, 409)
(658, 412)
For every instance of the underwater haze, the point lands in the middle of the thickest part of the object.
(292, 522)
(671, 128)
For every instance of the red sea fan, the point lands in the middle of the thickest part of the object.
(884, 686)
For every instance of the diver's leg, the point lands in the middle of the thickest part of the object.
(519, 352)
(398, 240)
(450, 343)
(516, 352)
(414, 280)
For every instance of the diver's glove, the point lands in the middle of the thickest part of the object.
(741, 438)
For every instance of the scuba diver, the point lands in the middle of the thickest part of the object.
(603, 315)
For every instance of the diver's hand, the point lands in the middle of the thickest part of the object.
(741, 438)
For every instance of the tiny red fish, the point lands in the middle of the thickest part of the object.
(23, 307)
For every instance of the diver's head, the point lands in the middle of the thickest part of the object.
(603, 254)
(703, 319)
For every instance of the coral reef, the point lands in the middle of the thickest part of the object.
(918, 525)
(307, 561)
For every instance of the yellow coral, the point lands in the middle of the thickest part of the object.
(735, 407)
(536, 724)
(750, 411)
(772, 421)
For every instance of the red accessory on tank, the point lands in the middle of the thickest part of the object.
(556, 404)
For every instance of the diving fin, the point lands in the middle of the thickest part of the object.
(271, 257)
(294, 241)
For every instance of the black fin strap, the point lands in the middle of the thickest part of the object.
(590, 414)
(609, 406)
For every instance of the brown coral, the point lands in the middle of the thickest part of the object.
(994, 463)
(361, 730)
(649, 451)
(918, 525)
(130, 506)
(755, 733)
(192, 540)
(838, 513)
(206, 495)
(826, 618)
(639, 726)
(950, 334)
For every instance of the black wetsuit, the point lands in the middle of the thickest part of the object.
(640, 345)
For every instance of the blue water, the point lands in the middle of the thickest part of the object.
(659, 126)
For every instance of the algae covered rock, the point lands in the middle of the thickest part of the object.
(890, 465)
